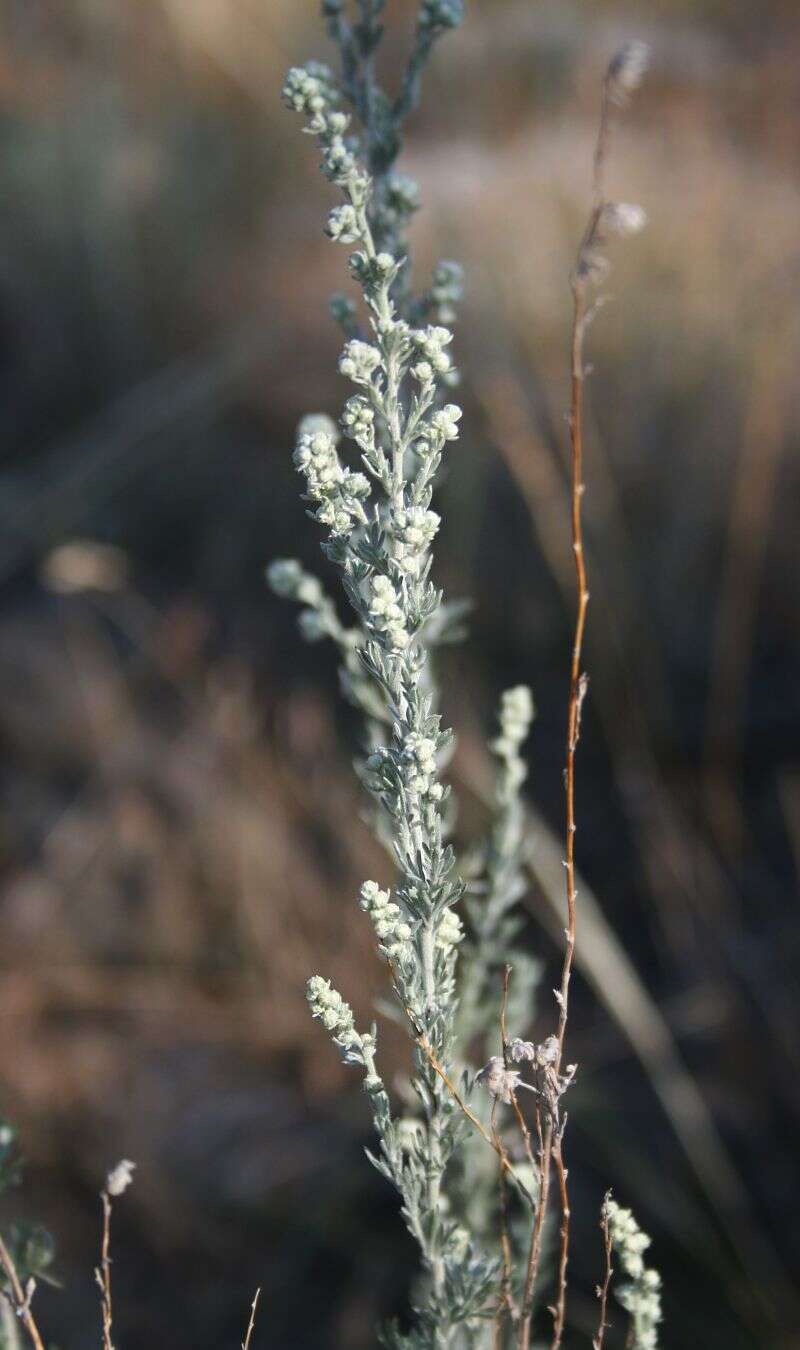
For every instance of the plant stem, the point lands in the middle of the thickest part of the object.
(577, 693)
(597, 1343)
(561, 1303)
(21, 1299)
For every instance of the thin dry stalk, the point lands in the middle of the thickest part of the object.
(505, 1303)
(561, 1301)
(252, 1322)
(578, 685)
(535, 1253)
(507, 1298)
(602, 1290)
(20, 1299)
(102, 1272)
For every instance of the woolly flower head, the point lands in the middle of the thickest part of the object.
(359, 360)
(642, 1297)
(316, 458)
(446, 421)
(450, 931)
(120, 1177)
(415, 527)
(330, 1009)
(430, 343)
(358, 418)
(540, 1055)
(628, 1238)
(309, 89)
(386, 612)
(343, 225)
(419, 756)
(498, 1080)
(390, 928)
(516, 713)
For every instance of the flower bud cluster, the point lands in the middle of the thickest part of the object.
(310, 89)
(359, 361)
(450, 931)
(516, 714)
(445, 421)
(429, 344)
(392, 931)
(386, 614)
(414, 531)
(330, 1008)
(358, 422)
(642, 1297)
(336, 1016)
(419, 766)
(338, 491)
(343, 225)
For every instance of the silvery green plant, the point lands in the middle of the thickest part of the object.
(641, 1296)
(379, 526)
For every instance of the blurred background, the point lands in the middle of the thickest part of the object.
(180, 837)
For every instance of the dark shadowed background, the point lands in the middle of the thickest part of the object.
(180, 839)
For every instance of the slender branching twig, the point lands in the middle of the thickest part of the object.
(117, 1182)
(623, 75)
(20, 1299)
(563, 1257)
(506, 1301)
(251, 1324)
(602, 1289)
(103, 1272)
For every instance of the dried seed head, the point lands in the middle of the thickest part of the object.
(626, 71)
(497, 1079)
(120, 1177)
(623, 218)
